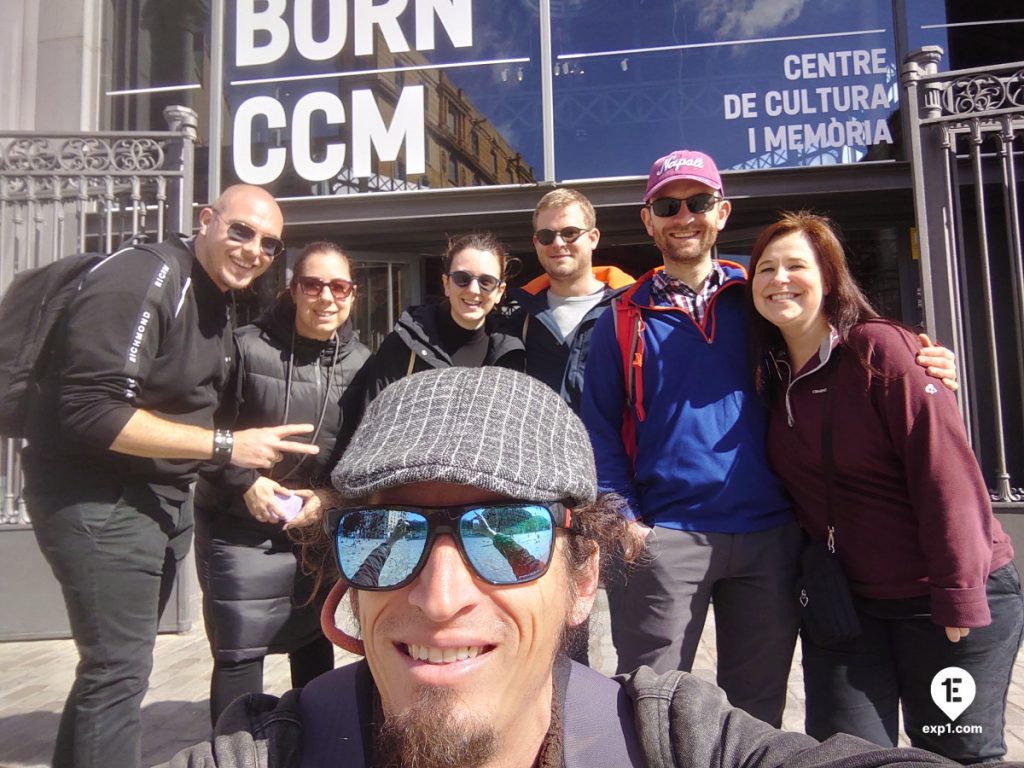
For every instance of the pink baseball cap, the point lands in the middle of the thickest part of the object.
(683, 164)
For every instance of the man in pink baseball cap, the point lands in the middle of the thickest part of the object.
(683, 164)
(684, 443)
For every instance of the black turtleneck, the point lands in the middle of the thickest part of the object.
(466, 348)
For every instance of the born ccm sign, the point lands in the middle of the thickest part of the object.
(266, 33)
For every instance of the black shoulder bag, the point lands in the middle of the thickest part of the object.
(826, 604)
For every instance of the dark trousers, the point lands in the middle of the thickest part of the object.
(857, 687)
(115, 552)
(658, 611)
(233, 679)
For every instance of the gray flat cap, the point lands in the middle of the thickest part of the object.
(490, 427)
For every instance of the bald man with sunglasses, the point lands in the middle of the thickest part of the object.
(122, 423)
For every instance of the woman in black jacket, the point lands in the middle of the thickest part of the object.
(300, 362)
(459, 331)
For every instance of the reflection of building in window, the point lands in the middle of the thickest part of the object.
(457, 133)
(154, 44)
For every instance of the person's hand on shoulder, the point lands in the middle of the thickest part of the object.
(939, 362)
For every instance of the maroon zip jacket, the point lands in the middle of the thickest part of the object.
(912, 512)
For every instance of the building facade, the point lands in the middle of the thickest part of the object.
(389, 126)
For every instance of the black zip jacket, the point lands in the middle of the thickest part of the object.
(143, 332)
(417, 340)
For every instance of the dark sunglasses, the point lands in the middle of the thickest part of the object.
(314, 286)
(463, 279)
(669, 206)
(384, 547)
(240, 232)
(568, 234)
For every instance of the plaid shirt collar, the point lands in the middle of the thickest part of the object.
(667, 290)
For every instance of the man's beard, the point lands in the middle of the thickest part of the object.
(670, 250)
(431, 734)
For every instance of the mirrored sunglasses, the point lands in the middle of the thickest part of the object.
(669, 206)
(385, 547)
(314, 286)
(463, 279)
(240, 232)
(568, 234)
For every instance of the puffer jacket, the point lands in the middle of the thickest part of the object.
(414, 345)
(253, 589)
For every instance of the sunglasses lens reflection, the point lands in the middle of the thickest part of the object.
(507, 545)
(569, 235)
(240, 232)
(383, 548)
(670, 206)
(312, 286)
(463, 279)
(380, 548)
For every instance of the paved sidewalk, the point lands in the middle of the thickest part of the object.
(37, 675)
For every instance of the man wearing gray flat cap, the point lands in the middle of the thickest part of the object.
(469, 534)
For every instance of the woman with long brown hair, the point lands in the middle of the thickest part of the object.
(876, 458)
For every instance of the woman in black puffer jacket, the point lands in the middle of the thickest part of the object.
(301, 362)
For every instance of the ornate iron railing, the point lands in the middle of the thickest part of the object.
(62, 193)
(966, 141)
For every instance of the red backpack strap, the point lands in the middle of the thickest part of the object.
(629, 333)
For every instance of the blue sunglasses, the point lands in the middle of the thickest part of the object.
(383, 547)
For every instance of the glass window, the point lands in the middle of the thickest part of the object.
(384, 291)
(312, 93)
(453, 171)
(810, 84)
(975, 34)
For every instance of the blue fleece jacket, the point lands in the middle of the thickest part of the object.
(701, 461)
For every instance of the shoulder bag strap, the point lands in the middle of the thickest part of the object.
(826, 454)
(597, 720)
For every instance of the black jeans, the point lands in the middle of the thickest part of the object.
(115, 552)
(233, 679)
(857, 687)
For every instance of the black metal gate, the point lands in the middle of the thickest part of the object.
(966, 141)
(61, 194)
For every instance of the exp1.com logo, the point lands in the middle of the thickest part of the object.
(953, 690)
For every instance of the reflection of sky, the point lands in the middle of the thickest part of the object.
(405, 553)
(615, 113)
(629, 107)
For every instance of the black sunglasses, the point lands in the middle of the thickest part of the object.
(669, 206)
(314, 286)
(463, 279)
(568, 234)
(240, 232)
(384, 547)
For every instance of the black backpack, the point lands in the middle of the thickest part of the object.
(30, 310)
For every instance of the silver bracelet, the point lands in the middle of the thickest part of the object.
(223, 443)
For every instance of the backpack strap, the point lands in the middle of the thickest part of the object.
(597, 721)
(629, 333)
(335, 709)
